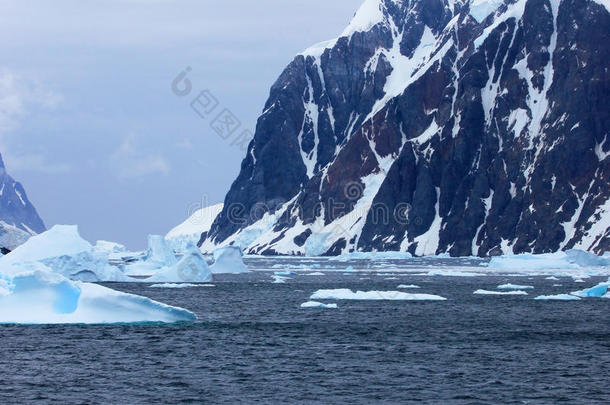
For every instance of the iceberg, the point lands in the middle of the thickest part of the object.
(229, 260)
(558, 297)
(279, 279)
(408, 286)
(192, 268)
(346, 294)
(595, 292)
(318, 273)
(514, 287)
(63, 250)
(315, 304)
(158, 256)
(35, 294)
(485, 292)
(109, 247)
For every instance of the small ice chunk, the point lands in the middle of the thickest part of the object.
(453, 273)
(485, 292)
(514, 287)
(315, 304)
(558, 297)
(552, 278)
(346, 294)
(229, 260)
(408, 286)
(315, 274)
(279, 279)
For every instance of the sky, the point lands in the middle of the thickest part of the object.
(91, 125)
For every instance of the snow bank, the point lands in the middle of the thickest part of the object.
(315, 304)
(40, 296)
(514, 287)
(346, 294)
(229, 260)
(192, 268)
(190, 231)
(571, 259)
(481, 9)
(558, 297)
(485, 292)
(63, 250)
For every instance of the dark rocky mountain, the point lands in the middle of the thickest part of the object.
(469, 127)
(16, 211)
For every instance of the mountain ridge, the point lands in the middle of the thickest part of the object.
(458, 133)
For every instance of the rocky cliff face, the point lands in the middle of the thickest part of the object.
(473, 127)
(16, 211)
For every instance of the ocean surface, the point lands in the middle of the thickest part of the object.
(254, 344)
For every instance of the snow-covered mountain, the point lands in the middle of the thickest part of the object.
(194, 228)
(18, 216)
(432, 126)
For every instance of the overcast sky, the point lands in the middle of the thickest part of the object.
(89, 123)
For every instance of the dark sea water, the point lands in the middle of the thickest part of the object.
(254, 344)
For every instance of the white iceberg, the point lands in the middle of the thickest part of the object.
(41, 296)
(180, 285)
(571, 259)
(315, 304)
(558, 297)
(109, 247)
(486, 292)
(63, 250)
(228, 260)
(158, 256)
(408, 286)
(190, 231)
(346, 294)
(279, 279)
(514, 287)
(192, 268)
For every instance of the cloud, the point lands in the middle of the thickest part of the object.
(36, 162)
(130, 162)
(19, 96)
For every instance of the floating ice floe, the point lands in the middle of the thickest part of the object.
(38, 295)
(192, 268)
(514, 287)
(408, 286)
(63, 250)
(571, 259)
(180, 285)
(318, 273)
(551, 278)
(346, 294)
(486, 292)
(279, 279)
(558, 297)
(228, 260)
(315, 304)
(454, 273)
